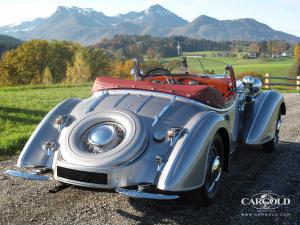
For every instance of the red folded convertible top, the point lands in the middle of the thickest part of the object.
(201, 93)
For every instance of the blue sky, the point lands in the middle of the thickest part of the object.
(281, 15)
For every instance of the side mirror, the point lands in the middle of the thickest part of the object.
(252, 83)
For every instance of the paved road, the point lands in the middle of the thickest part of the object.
(252, 171)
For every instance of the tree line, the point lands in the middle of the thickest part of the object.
(270, 47)
(41, 61)
(8, 43)
(128, 46)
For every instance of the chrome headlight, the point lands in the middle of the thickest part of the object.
(103, 137)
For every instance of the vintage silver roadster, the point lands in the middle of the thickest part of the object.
(160, 136)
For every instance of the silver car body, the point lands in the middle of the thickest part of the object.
(171, 164)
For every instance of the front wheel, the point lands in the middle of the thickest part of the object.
(207, 193)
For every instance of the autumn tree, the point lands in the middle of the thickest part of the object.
(297, 52)
(27, 63)
(295, 69)
(47, 76)
(254, 47)
(80, 71)
(98, 61)
(8, 70)
(121, 69)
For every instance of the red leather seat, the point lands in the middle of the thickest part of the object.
(201, 93)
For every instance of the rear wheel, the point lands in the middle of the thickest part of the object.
(270, 146)
(207, 193)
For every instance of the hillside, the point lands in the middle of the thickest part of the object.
(88, 26)
(8, 42)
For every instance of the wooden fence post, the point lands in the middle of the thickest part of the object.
(267, 81)
(298, 83)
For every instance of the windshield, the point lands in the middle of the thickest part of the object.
(195, 65)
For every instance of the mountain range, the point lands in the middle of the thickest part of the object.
(88, 26)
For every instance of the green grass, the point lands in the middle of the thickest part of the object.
(276, 67)
(22, 108)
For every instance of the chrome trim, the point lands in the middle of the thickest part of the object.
(61, 122)
(174, 140)
(143, 103)
(161, 161)
(50, 147)
(28, 176)
(145, 195)
(170, 96)
(163, 111)
(216, 169)
(104, 94)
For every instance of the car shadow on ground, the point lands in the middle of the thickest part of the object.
(248, 165)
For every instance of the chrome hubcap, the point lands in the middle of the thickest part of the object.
(102, 135)
(216, 169)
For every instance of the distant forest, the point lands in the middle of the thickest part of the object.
(8, 43)
(128, 46)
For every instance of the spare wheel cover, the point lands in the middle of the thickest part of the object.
(133, 143)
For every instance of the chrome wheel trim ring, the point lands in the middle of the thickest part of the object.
(214, 170)
(278, 125)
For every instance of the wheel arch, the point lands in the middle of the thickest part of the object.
(186, 165)
(282, 109)
(260, 123)
(226, 144)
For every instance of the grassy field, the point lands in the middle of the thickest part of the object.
(276, 67)
(22, 108)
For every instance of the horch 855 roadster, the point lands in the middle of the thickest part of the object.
(158, 136)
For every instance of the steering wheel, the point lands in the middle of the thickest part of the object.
(158, 72)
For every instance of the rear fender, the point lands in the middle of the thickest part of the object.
(34, 153)
(261, 123)
(186, 165)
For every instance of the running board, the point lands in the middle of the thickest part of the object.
(28, 176)
(145, 195)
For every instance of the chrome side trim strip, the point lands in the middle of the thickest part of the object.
(104, 94)
(147, 99)
(145, 195)
(178, 98)
(163, 111)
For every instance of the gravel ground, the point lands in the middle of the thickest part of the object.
(252, 171)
